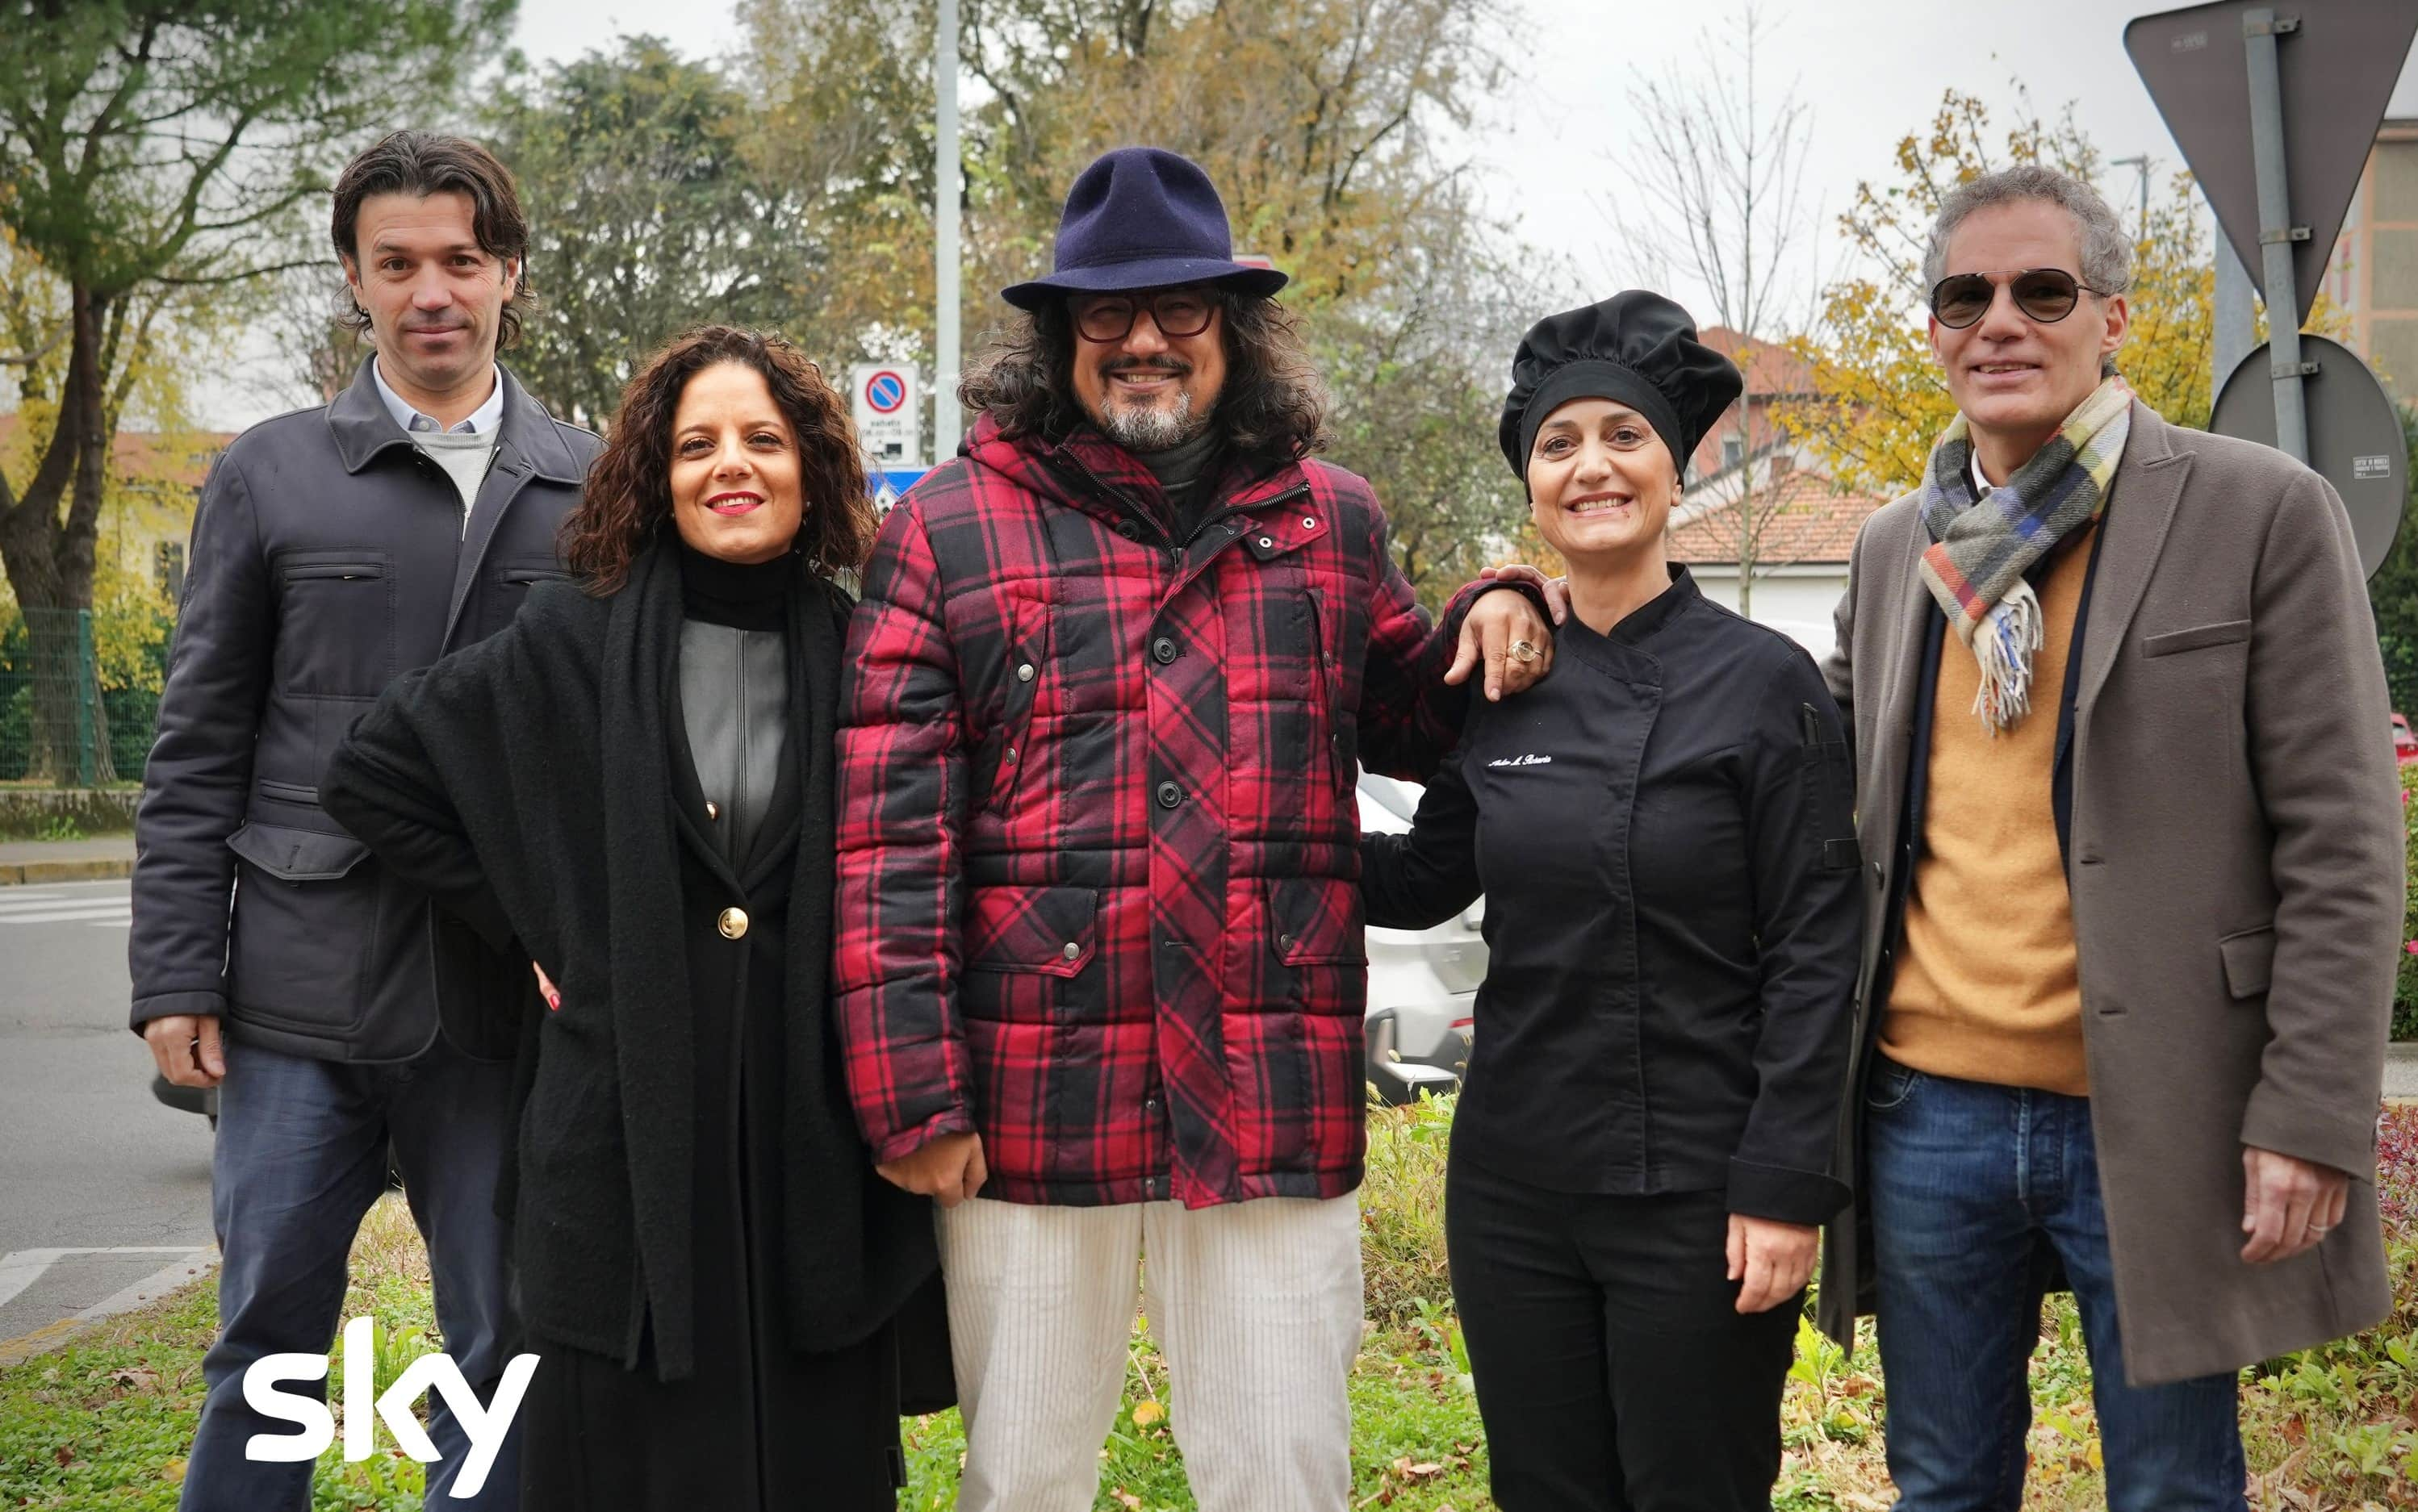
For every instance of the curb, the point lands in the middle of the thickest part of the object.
(175, 1277)
(32, 873)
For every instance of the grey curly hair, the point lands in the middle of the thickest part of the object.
(2106, 251)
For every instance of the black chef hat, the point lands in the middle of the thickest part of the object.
(1636, 348)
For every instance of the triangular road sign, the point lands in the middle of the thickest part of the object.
(2338, 63)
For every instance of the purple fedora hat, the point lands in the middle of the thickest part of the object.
(1143, 217)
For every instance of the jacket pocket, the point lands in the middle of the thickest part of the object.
(1328, 727)
(1003, 755)
(1313, 921)
(335, 632)
(2249, 961)
(2224, 633)
(304, 926)
(1020, 943)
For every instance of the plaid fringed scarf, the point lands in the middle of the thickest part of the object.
(1975, 563)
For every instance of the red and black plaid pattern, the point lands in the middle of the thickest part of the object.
(1097, 839)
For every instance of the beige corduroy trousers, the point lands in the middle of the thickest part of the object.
(1255, 1307)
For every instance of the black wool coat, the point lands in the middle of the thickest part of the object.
(528, 784)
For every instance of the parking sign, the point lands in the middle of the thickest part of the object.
(889, 420)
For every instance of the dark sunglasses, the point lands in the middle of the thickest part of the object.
(2046, 295)
(1176, 313)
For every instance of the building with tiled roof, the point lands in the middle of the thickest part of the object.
(154, 479)
(1808, 525)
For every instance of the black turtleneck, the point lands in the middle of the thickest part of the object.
(742, 595)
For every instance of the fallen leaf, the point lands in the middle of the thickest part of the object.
(1145, 1413)
(1128, 1498)
(64, 1454)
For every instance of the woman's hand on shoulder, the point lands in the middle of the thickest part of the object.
(1771, 1260)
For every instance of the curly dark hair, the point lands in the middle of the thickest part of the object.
(628, 496)
(1273, 402)
(422, 163)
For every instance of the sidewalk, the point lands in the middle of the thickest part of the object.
(65, 860)
(2401, 1072)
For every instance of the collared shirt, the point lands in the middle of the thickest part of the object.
(464, 449)
(481, 421)
(1981, 483)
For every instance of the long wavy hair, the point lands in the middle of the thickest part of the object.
(1273, 402)
(628, 498)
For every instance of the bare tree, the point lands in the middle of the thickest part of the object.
(1719, 179)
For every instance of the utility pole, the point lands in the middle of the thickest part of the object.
(947, 426)
(2141, 162)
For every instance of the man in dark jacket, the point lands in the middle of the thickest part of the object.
(335, 548)
(1098, 951)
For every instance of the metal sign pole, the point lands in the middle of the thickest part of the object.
(2237, 319)
(2260, 28)
(947, 426)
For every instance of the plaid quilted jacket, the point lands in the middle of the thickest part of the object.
(1097, 893)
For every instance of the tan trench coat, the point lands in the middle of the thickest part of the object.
(2236, 866)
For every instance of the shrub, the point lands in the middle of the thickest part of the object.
(1402, 1211)
(2405, 981)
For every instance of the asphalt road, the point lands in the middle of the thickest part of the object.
(102, 1188)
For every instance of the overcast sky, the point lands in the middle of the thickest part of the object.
(1870, 70)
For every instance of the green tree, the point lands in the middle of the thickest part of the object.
(156, 147)
(1323, 123)
(2392, 592)
(648, 213)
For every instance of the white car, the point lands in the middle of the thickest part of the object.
(1422, 982)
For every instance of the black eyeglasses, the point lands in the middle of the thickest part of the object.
(2046, 295)
(1176, 313)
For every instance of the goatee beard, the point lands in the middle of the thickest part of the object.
(1150, 428)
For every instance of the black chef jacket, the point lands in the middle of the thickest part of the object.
(1664, 830)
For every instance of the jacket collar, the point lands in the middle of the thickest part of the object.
(365, 428)
(1626, 651)
(1640, 624)
(1089, 472)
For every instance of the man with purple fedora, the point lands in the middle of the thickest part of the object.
(1099, 960)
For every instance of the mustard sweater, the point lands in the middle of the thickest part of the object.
(1985, 988)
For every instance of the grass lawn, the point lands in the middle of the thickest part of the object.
(104, 1424)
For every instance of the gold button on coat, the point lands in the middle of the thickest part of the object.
(732, 923)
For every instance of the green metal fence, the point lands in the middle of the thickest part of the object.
(62, 723)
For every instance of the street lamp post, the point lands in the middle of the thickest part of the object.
(947, 426)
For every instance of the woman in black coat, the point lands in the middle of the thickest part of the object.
(1662, 829)
(633, 783)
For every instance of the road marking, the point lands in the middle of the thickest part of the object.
(106, 907)
(22, 1268)
(104, 914)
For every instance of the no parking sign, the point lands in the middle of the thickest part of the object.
(888, 417)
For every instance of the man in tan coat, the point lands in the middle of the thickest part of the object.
(2134, 873)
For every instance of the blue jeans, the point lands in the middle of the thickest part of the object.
(1974, 1189)
(301, 1156)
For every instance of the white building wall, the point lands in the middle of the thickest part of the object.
(1798, 601)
